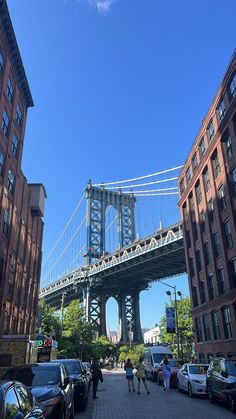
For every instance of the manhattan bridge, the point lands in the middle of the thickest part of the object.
(121, 237)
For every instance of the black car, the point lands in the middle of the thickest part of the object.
(77, 374)
(17, 402)
(221, 376)
(50, 385)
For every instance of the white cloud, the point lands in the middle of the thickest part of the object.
(103, 6)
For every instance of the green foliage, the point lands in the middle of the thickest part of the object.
(186, 338)
(102, 348)
(133, 352)
(50, 321)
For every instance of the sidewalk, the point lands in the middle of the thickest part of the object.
(115, 402)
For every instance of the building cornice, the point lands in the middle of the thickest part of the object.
(14, 53)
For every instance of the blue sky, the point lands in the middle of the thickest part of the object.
(120, 88)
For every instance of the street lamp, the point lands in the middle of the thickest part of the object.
(176, 312)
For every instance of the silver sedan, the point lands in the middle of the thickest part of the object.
(192, 379)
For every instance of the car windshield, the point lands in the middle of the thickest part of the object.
(34, 376)
(231, 367)
(198, 369)
(159, 357)
(72, 367)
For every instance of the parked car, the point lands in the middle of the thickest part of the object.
(192, 379)
(174, 368)
(77, 374)
(50, 385)
(87, 369)
(17, 402)
(221, 376)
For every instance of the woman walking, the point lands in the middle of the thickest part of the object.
(140, 374)
(129, 374)
(166, 374)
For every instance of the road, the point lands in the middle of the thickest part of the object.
(115, 402)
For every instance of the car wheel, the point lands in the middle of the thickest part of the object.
(190, 392)
(178, 387)
(231, 404)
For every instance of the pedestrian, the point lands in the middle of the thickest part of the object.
(166, 373)
(129, 374)
(96, 376)
(140, 374)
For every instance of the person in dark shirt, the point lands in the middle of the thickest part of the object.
(96, 376)
(129, 374)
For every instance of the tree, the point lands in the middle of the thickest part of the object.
(133, 352)
(49, 319)
(186, 337)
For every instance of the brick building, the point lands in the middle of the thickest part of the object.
(207, 186)
(21, 204)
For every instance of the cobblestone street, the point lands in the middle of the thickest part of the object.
(115, 402)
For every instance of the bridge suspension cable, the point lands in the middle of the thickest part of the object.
(146, 184)
(138, 178)
(64, 230)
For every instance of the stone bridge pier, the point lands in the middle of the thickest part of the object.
(128, 313)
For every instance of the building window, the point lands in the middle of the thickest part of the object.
(198, 192)
(195, 232)
(198, 328)
(216, 244)
(201, 358)
(210, 287)
(182, 187)
(1, 163)
(221, 110)
(210, 131)
(18, 115)
(185, 212)
(188, 239)
(6, 323)
(198, 261)
(10, 90)
(232, 87)
(228, 235)
(191, 206)
(206, 179)
(211, 211)
(5, 122)
(227, 323)
(227, 141)
(1, 269)
(10, 181)
(191, 267)
(210, 357)
(188, 175)
(15, 144)
(232, 273)
(206, 253)
(206, 327)
(1, 63)
(233, 181)
(6, 223)
(202, 292)
(202, 148)
(221, 195)
(14, 325)
(221, 281)
(216, 325)
(194, 296)
(194, 163)
(203, 221)
(216, 164)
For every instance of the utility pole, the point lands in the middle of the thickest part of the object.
(62, 309)
(176, 313)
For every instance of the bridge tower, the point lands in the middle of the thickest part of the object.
(98, 199)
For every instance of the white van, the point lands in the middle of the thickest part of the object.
(153, 356)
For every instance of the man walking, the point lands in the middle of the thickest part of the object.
(96, 376)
